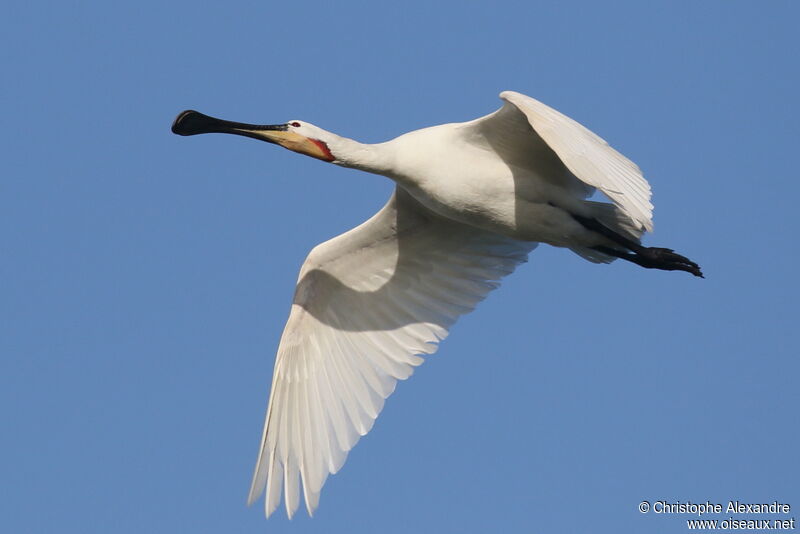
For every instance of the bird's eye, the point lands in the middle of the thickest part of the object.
(295, 124)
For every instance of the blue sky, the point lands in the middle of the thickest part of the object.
(147, 277)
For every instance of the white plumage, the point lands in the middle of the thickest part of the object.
(472, 200)
(590, 158)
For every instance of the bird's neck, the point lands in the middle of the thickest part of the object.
(375, 158)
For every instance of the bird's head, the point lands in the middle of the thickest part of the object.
(298, 136)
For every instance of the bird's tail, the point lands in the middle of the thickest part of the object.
(612, 218)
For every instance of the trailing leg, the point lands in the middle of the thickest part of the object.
(649, 257)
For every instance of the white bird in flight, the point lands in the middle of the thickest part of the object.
(472, 199)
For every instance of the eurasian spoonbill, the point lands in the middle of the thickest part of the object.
(471, 201)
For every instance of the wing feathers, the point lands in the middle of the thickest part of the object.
(589, 157)
(368, 304)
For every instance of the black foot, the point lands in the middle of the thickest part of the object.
(656, 258)
(666, 259)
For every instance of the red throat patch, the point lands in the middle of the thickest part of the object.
(325, 150)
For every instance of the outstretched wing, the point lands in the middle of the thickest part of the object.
(367, 304)
(590, 158)
(530, 133)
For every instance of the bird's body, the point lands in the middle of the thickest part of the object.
(472, 199)
(475, 186)
(487, 180)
